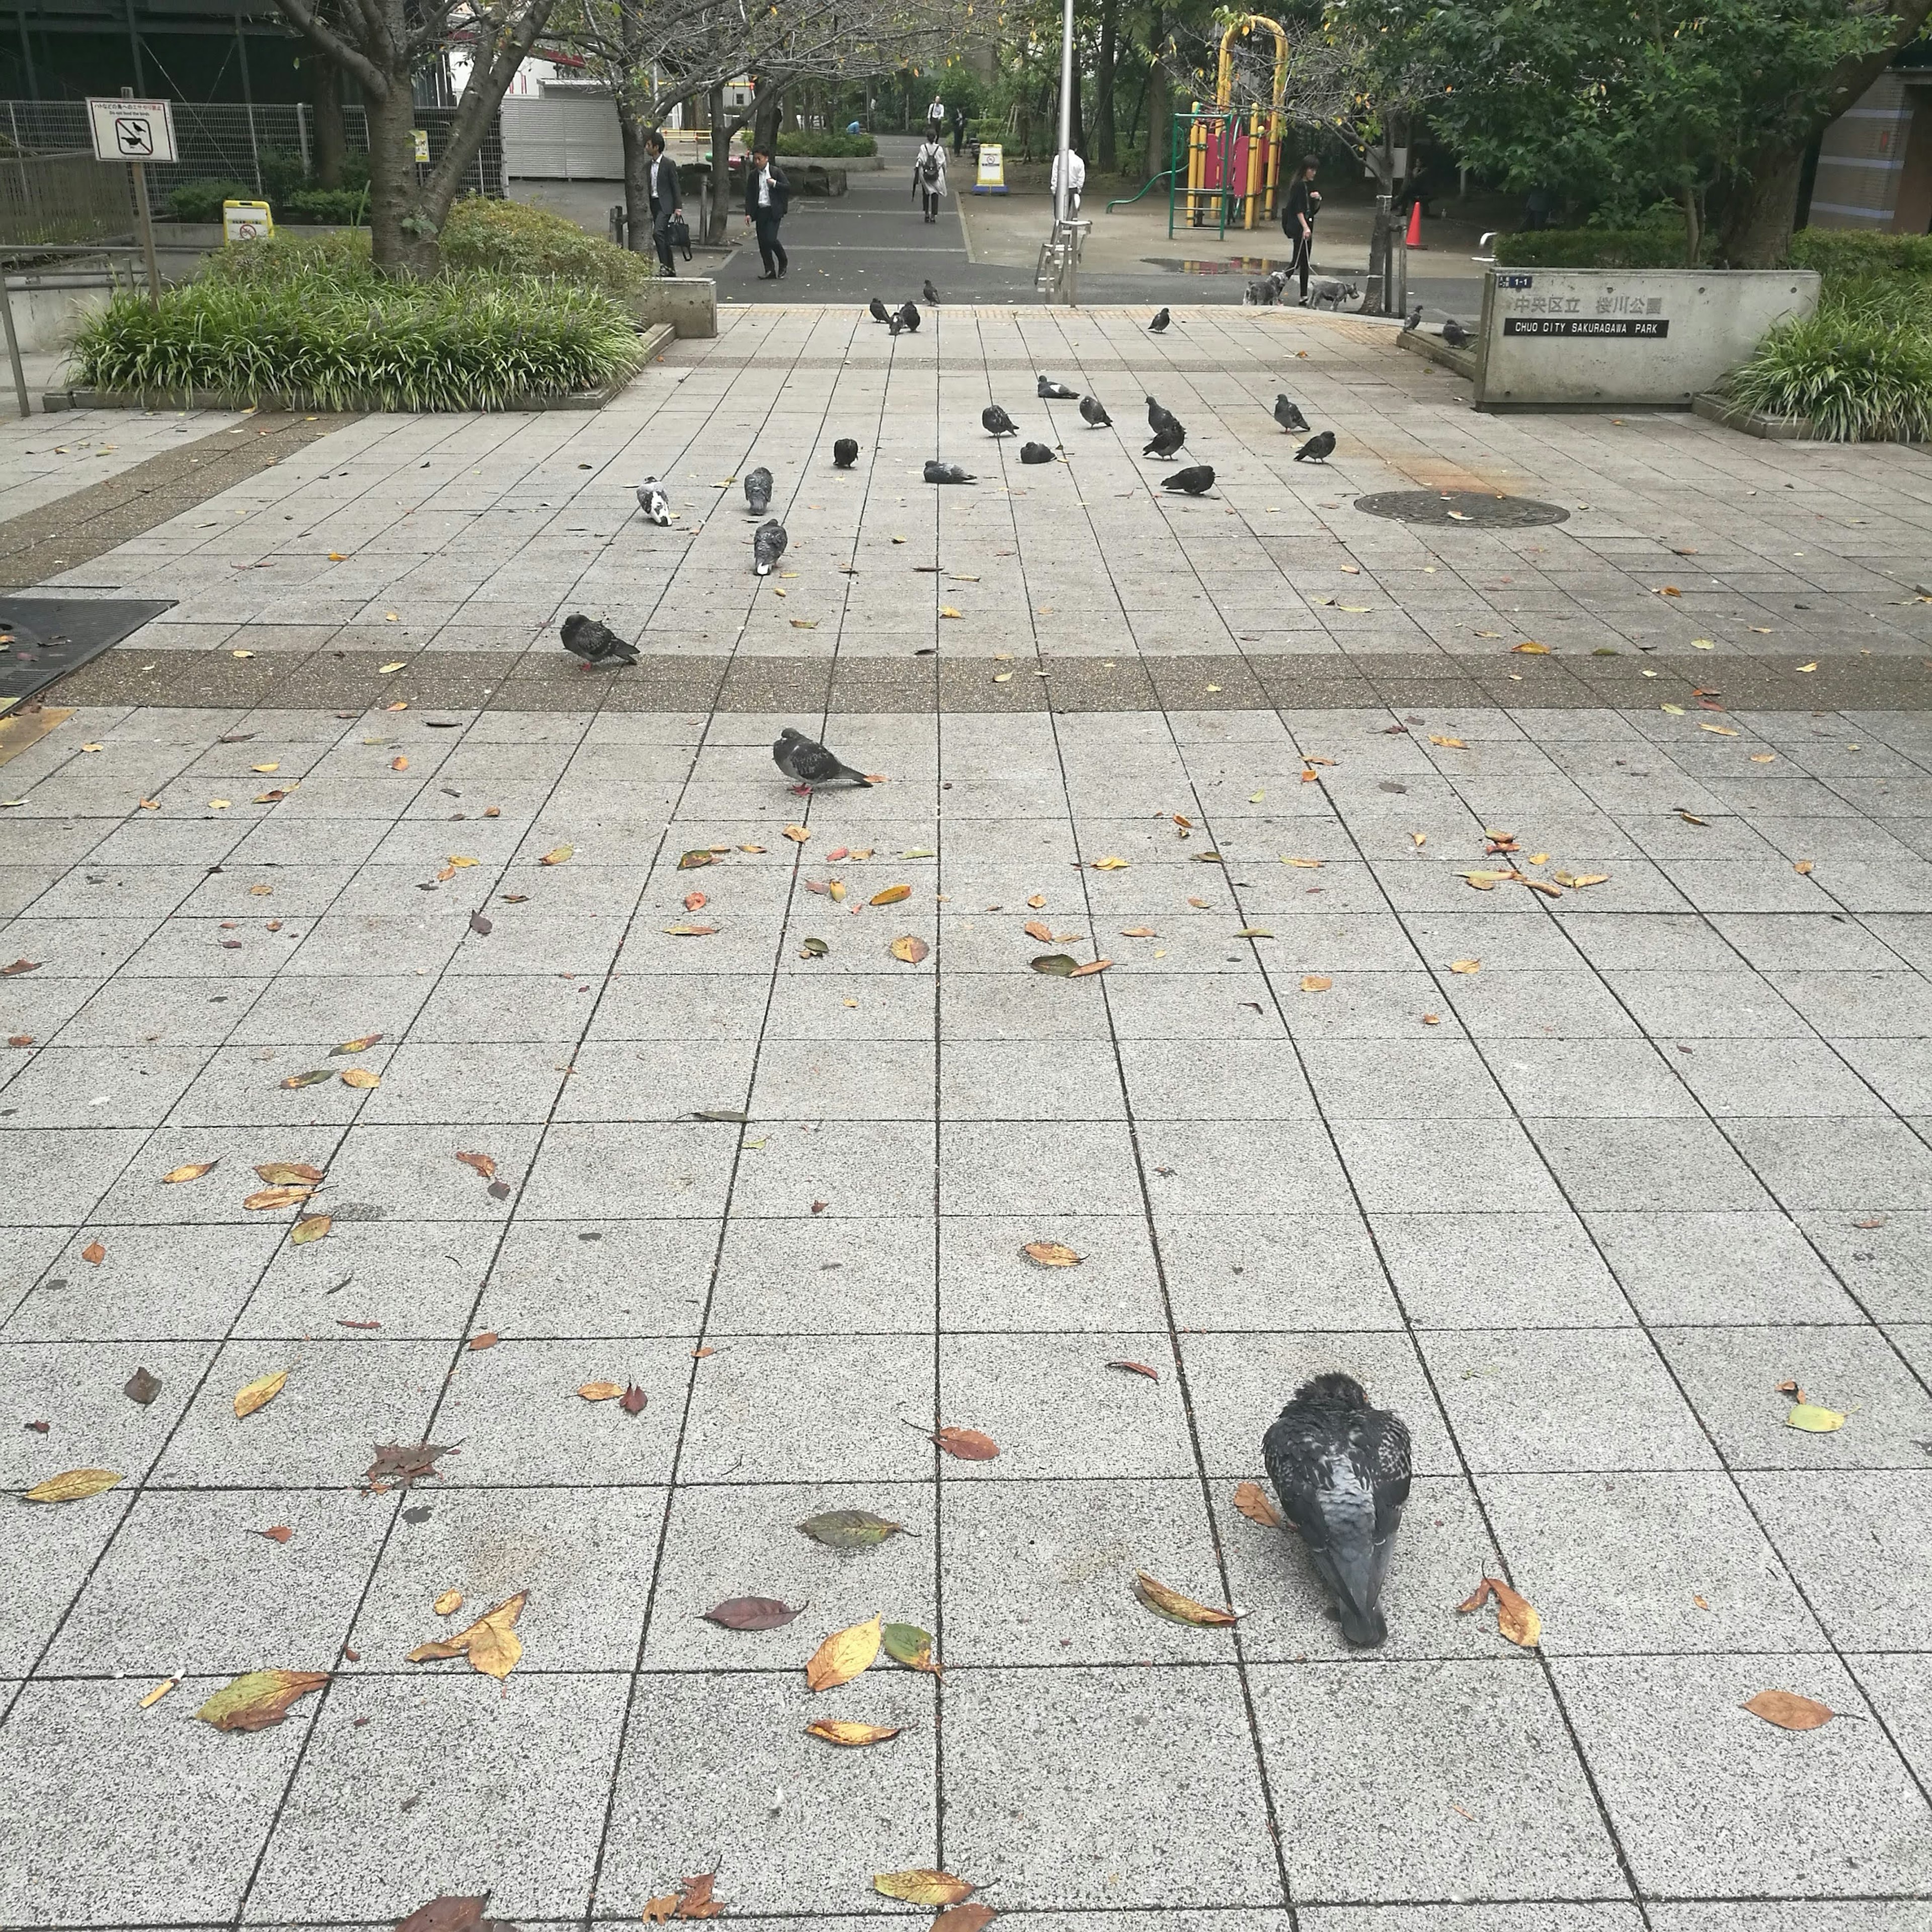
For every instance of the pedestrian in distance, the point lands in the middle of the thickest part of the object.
(1297, 222)
(661, 179)
(1076, 180)
(928, 173)
(935, 117)
(767, 195)
(958, 127)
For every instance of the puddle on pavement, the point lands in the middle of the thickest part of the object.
(1224, 265)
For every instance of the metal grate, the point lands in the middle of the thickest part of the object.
(1450, 507)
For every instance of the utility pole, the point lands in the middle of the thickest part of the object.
(1065, 239)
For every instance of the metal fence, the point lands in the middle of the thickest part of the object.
(62, 197)
(258, 147)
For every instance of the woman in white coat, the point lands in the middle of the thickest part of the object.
(928, 173)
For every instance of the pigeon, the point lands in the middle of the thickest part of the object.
(995, 418)
(1413, 321)
(807, 763)
(947, 472)
(1166, 440)
(931, 294)
(758, 491)
(1093, 412)
(1317, 448)
(1341, 1469)
(768, 545)
(596, 643)
(1289, 416)
(652, 501)
(1051, 391)
(1456, 335)
(1159, 322)
(878, 310)
(894, 323)
(1159, 417)
(1035, 452)
(1191, 482)
(844, 453)
(909, 316)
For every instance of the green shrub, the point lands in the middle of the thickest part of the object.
(1653, 245)
(823, 142)
(201, 200)
(339, 263)
(511, 238)
(321, 337)
(1838, 251)
(336, 207)
(1853, 373)
(284, 173)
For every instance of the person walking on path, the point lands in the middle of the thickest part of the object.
(928, 173)
(1297, 222)
(661, 175)
(958, 127)
(935, 117)
(1076, 180)
(767, 195)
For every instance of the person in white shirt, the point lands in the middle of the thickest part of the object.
(666, 198)
(928, 173)
(935, 116)
(767, 195)
(1076, 180)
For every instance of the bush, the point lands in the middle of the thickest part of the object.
(1853, 375)
(1651, 246)
(317, 335)
(201, 200)
(511, 238)
(1838, 251)
(340, 263)
(336, 207)
(823, 143)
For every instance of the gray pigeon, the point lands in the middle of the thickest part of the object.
(909, 316)
(596, 643)
(758, 491)
(1191, 482)
(1456, 335)
(947, 472)
(844, 453)
(1341, 1469)
(876, 309)
(1289, 416)
(807, 763)
(1051, 391)
(894, 323)
(652, 501)
(768, 545)
(995, 418)
(1413, 321)
(1317, 448)
(1093, 412)
(1166, 440)
(1159, 417)
(1160, 321)
(1036, 452)
(931, 294)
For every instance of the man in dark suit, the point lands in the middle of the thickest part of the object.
(767, 195)
(661, 176)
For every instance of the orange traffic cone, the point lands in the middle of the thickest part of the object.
(1415, 222)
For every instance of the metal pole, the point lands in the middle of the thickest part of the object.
(146, 220)
(134, 44)
(248, 103)
(1063, 195)
(13, 345)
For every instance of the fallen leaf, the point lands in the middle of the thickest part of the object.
(72, 1486)
(909, 948)
(846, 1731)
(19, 967)
(1176, 1608)
(1138, 932)
(487, 1339)
(490, 1642)
(94, 1253)
(907, 1644)
(399, 763)
(1576, 881)
(313, 1077)
(696, 902)
(1137, 1368)
(633, 1400)
(1669, 590)
(750, 1613)
(1810, 667)
(481, 1162)
(1252, 1500)
(1789, 1712)
(922, 1886)
(455, 1915)
(689, 861)
(1306, 864)
(259, 1393)
(141, 1387)
(1057, 965)
(1052, 1254)
(280, 1532)
(1803, 866)
(813, 948)
(600, 1391)
(891, 895)
(1676, 710)
(849, 1529)
(257, 1698)
(690, 932)
(360, 1077)
(968, 1445)
(1087, 971)
(797, 834)
(1454, 744)
(194, 1170)
(1110, 864)
(1720, 730)
(448, 1604)
(844, 1655)
(311, 1227)
(1530, 648)
(1516, 1618)
(947, 610)
(401, 1466)
(1691, 818)
(1467, 965)
(1254, 932)
(1315, 982)
(361, 1045)
(557, 855)
(1813, 1418)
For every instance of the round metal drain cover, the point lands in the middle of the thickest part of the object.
(1462, 506)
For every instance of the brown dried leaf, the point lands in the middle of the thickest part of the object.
(289, 1173)
(280, 1532)
(486, 1340)
(1803, 866)
(194, 1170)
(909, 948)
(141, 1387)
(1039, 929)
(399, 1466)
(844, 1655)
(311, 1227)
(1052, 1254)
(600, 1391)
(1789, 1712)
(482, 1162)
(846, 1731)
(257, 1698)
(93, 1252)
(259, 1393)
(490, 1642)
(632, 1401)
(288, 1195)
(448, 1603)
(696, 902)
(1252, 1500)
(1087, 971)
(971, 1917)
(1137, 1368)
(797, 834)
(1177, 1609)
(360, 1076)
(922, 1886)
(968, 1445)
(750, 1613)
(1315, 982)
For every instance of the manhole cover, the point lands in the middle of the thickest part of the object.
(1462, 506)
(43, 638)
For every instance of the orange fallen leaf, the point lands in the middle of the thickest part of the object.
(968, 1445)
(1789, 1712)
(891, 895)
(1177, 1608)
(482, 1162)
(194, 1170)
(1316, 983)
(280, 1533)
(488, 1339)
(797, 834)
(94, 1253)
(848, 1731)
(1516, 1618)
(1137, 1368)
(1252, 1500)
(909, 948)
(1052, 1254)
(1039, 929)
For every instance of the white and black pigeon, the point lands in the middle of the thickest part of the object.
(768, 545)
(1289, 416)
(994, 419)
(1093, 413)
(931, 294)
(893, 323)
(844, 453)
(1160, 321)
(947, 472)
(1051, 391)
(1317, 448)
(1413, 321)
(909, 316)
(878, 310)
(596, 643)
(1166, 440)
(807, 763)
(654, 504)
(1456, 335)
(1341, 1469)
(1190, 482)
(758, 491)
(1035, 452)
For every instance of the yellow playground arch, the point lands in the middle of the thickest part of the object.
(1248, 168)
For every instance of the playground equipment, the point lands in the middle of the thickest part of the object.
(1227, 159)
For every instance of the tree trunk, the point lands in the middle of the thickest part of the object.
(1106, 153)
(637, 175)
(402, 235)
(1693, 230)
(721, 172)
(766, 107)
(1160, 110)
(331, 137)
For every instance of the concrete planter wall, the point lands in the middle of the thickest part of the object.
(688, 303)
(1618, 338)
(45, 319)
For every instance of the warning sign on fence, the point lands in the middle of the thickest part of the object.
(132, 130)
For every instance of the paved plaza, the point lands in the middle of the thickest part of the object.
(1593, 1166)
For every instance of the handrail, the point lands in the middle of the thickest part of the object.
(1128, 200)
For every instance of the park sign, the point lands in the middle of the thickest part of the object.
(992, 175)
(132, 130)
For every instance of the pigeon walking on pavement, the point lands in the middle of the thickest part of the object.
(894, 323)
(1160, 321)
(878, 310)
(844, 453)
(758, 491)
(768, 545)
(995, 419)
(596, 643)
(654, 504)
(1166, 440)
(931, 294)
(909, 316)
(1341, 1469)
(1051, 391)
(1036, 452)
(1191, 482)
(1456, 335)
(1160, 417)
(1093, 413)
(1413, 321)
(1289, 416)
(1317, 448)
(807, 763)
(947, 472)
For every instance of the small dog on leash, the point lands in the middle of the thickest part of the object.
(1329, 292)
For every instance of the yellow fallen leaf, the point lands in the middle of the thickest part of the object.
(845, 1655)
(848, 1731)
(311, 1228)
(803, 623)
(1718, 730)
(383, 670)
(947, 610)
(1814, 1419)
(457, 859)
(797, 834)
(1676, 710)
(286, 1194)
(1764, 757)
(1530, 648)
(337, 556)
(1315, 982)
(1789, 1712)
(491, 1642)
(1052, 1254)
(1002, 677)
(275, 766)
(1702, 644)
(1110, 864)
(557, 855)
(72, 1486)
(600, 1391)
(1306, 864)
(257, 1698)
(448, 1604)
(1810, 667)
(891, 895)
(1465, 965)
(922, 1886)
(1255, 797)
(909, 948)
(1454, 744)
(220, 804)
(1177, 1609)
(257, 1394)
(360, 1076)
(1803, 866)
(1576, 881)
(1252, 1500)
(194, 1170)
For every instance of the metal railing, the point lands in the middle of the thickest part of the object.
(61, 197)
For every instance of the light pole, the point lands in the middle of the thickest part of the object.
(1063, 195)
